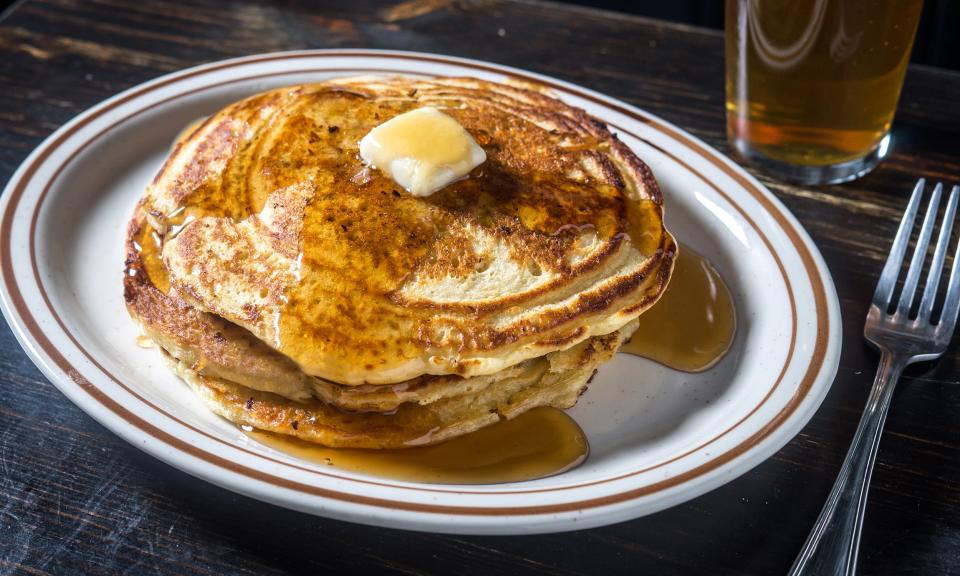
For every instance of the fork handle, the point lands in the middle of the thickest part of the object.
(832, 545)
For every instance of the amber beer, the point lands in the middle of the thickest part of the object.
(812, 85)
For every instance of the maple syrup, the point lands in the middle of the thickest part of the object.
(643, 227)
(149, 244)
(539, 443)
(693, 324)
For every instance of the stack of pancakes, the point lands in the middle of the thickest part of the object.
(300, 292)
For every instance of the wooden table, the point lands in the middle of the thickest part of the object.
(75, 499)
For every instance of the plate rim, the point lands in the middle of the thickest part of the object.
(75, 383)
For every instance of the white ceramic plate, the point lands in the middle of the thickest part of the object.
(658, 436)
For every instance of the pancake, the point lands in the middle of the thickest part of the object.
(279, 228)
(556, 382)
(213, 348)
(268, 264)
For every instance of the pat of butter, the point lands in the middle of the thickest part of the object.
(422, 150)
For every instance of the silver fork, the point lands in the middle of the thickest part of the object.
(834, 541)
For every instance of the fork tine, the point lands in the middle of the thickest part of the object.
(939, 255)
(948, 318)
(920, 252)
(888, 278)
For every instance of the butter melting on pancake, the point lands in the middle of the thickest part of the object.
(423, 150)
(358, 282)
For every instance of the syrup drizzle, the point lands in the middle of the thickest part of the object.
(538, 443)
(693, 324)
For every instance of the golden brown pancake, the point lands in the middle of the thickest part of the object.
(270, 264)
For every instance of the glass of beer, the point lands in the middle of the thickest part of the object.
(812, 85)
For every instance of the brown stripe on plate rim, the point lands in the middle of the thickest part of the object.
(806, 257)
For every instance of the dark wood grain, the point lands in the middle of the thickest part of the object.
(74, 499)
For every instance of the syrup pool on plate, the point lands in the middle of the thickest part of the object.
(693, 324)
(541, 442)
